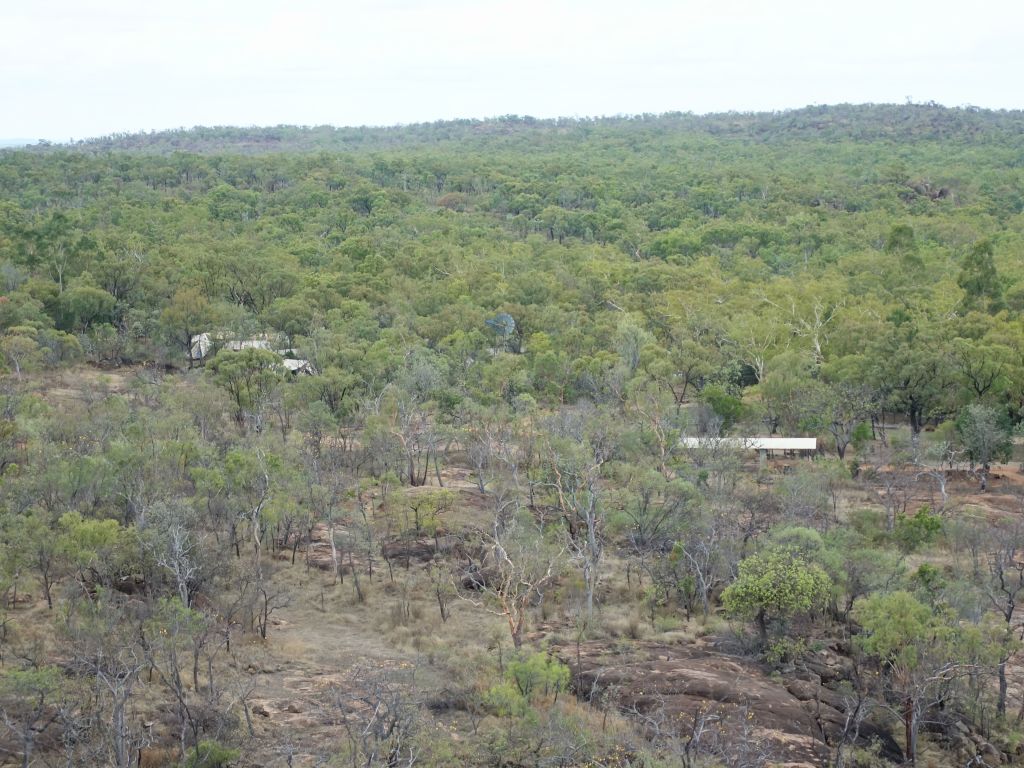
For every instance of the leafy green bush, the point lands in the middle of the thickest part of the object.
(209, 754)
(915, 531)
(785, 650)
(667, 623)
(776, 585)
(869, 523)
(537, 675)
(727, 407)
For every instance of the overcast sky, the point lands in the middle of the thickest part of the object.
(82, 68)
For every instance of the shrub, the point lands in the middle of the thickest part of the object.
(667, 623)
(776, 585)
(209, 754)
(538, 674)
(913, 532)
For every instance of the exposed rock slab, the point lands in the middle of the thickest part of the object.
(681, 688)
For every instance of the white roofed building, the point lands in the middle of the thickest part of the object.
(205, 344)
(801, 445)
(296, 366)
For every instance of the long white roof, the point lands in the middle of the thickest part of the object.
(757, 443)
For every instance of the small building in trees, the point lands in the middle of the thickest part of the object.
(297, 367)
(205, 345)
(765, 446)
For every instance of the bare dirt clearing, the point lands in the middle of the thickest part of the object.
(312, 651)
(88, 383)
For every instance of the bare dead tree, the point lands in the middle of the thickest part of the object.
(378, 711)
(935, 463)
(104, 644)
(708, 734)
(518, 567)
(484, 440)
(582, 442)
(1005, 587)
(179, 561)
(268, 598)
(702, 547)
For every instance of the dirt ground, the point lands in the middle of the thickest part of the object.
(89, 383)
(325, 637)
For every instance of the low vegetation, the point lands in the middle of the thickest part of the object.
(484, 515)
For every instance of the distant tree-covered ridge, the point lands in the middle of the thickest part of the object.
(841, 122)
(870, 243)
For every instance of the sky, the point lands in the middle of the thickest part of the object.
(74, 69)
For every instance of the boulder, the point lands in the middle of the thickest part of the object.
(796, 720)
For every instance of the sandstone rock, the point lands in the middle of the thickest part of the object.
(680, 684)
(989, 752)
(807, 691)
(964, 746)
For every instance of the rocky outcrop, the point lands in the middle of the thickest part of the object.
(682, 691)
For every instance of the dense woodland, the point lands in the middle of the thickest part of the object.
(471, 533)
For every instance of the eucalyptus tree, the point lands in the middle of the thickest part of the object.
(187, 315)
(980, 281)
(986, 436)
(249, 376)
(839, 402)
(520, 564)
(905, 365)
(252, 480)
(580, 443)
(917, 651)
(29, 711)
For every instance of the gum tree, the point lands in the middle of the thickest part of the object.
(776, 585)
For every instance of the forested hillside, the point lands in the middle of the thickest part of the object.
(401, 446)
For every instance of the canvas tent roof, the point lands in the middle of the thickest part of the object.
(295, 365)
(204, 343)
